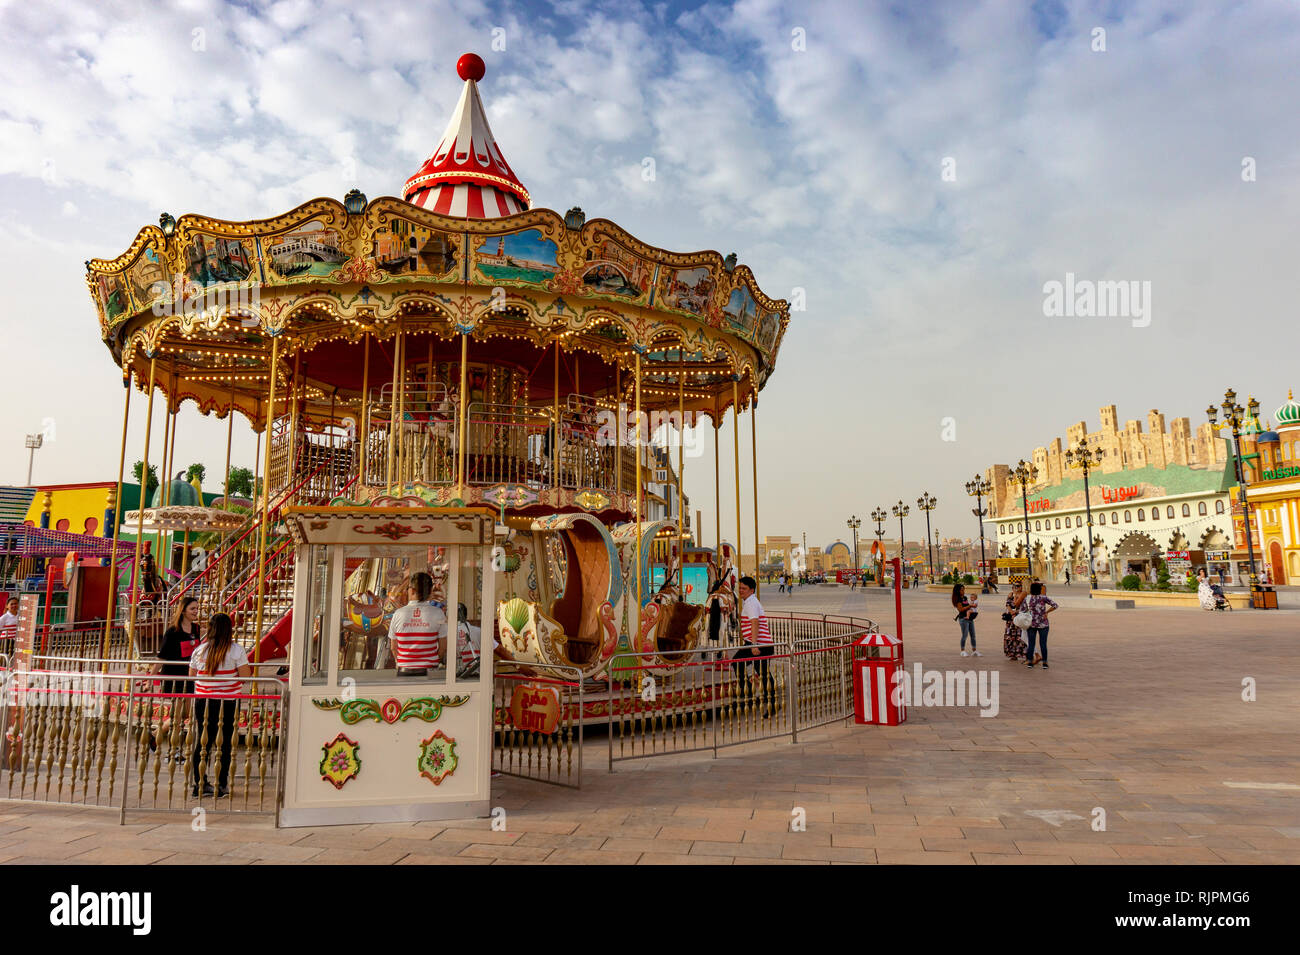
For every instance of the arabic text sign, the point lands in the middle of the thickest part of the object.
(535, 708)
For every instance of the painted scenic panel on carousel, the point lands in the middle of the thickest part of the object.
(746, 317)
(402, 247)
(527, 257)
(148, 279)
(687, 290)
(612, 270)
(216, 260)
(308, 251)
(113, 298)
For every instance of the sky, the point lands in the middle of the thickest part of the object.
(920, 172)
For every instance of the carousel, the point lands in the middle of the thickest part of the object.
(452, 383)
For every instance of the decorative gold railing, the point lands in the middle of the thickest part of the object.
(131, 742)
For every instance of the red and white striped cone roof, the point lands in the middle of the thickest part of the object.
(466, 175)
(879, 640)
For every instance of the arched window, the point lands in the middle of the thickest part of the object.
(1169, 512)
(1218, 507)
(1114, 517)
(1128, 517)
(1155, 513)
(1038, 525)
(1142, 515)
(1200, 508)
(1101, 517)
(1058, 523)
(1067, 523)
(1019, 527)
(1187, 511)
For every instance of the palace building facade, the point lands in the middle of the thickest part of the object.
(1166, 488)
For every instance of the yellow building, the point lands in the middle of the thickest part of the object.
(1274, 495)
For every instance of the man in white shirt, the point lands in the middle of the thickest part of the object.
(757, 635)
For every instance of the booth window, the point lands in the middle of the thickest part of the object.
(375, 587)
(316, 664)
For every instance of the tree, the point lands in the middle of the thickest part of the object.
(196, 470)
(153, 480)
(241, 483)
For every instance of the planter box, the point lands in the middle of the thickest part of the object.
(1156, 598)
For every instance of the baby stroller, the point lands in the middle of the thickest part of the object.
(1220, 601)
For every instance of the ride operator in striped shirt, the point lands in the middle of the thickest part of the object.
(419, 630)
(757, 635)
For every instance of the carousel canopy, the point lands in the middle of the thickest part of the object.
(183, 518)
(466, 175)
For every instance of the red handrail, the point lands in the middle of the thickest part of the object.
(255, 523)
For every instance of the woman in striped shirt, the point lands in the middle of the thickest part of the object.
(419, 630)
(220, 666)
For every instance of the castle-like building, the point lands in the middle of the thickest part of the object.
(1159, 489)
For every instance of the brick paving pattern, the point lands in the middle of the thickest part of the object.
(1141, 715)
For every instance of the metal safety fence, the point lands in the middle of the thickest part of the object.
(537, 725)
(111, 737)
(714, 697)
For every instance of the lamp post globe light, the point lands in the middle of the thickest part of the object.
(900, 511)
(1084, 458)
(1026, 474)
(1234, 416)
(880, 515)
(854, 523)
(927, 502)
(977, 488)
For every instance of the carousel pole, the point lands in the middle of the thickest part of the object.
(230, 435)
(117, 522)
(401, 407)
(462, 402)
(618, 431)
(392, 413)
(717, 490)
(753, 444)
(139, 526)
(735, 410)
(637, 569)
(555, 433)
(681, 449)
(292, 401)
(363, 466)
(163, 486)
(266, 506)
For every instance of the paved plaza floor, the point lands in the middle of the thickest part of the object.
(1141, 716)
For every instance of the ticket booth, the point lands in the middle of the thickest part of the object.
(367, 741)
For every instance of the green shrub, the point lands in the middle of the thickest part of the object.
(1130, 582)
(947, 578)
(968, 579)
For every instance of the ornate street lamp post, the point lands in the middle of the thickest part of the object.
(855, 522)
(1085, 458)
(900, 511)
(927, 502)
(977, 488)
(879, 515)
(1026, 474)
(1234, 415)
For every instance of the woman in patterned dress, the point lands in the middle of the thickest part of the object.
(1013, 640)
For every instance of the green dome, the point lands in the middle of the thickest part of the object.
(1289, 413)
(182, 494)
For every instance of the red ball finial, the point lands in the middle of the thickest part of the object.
(470, 67)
